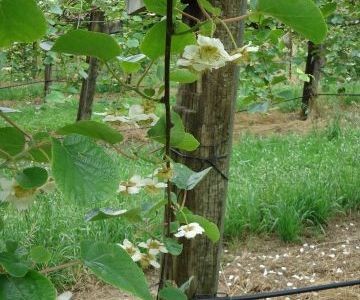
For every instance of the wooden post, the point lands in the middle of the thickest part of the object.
(48, 79)
(134, 6)
(314, 63)
(208, 109)
(88, 87)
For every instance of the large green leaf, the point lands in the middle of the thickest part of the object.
(83, 42)
(12, 141)
(20, 21)
(94, 130)
(83, 171)
(40, 255)
(158, 6)
(30, 287)
(301, 15)
(179, 138)
(185, 178)
(99, 214)
(211, 229)
(113, 264)
(172, 293)
(183, 76)
(153, 44)
(33, 177)
(13, 265)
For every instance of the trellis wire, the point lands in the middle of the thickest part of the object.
(287, 292)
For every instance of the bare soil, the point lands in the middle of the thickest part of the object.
(266, 264)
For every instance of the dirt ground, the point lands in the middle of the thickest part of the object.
(266, 264)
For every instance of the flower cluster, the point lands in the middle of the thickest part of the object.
(149, 258)
(189, 231)
(209, 54)
(135, 116)
(154, 247)
(136, 183)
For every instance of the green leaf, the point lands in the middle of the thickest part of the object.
(210, 8)
(130, 67)
(183, 76)
(179, 138)
(185, 178)
(32, 286)
(153, 44)
(211, 229)
(12, 141)
(83, 171)
(83, 42)
(31, 178)
(301, 15)
(113, 264)
(189, 143)
(158, 6)
(41, 153)
(158, 132)
(20, 21)
(96, 130)
(40, 255)
(13, 265)
(172, 293)
(173, 246)
(328, 9)
(11, 246)
(132, 215)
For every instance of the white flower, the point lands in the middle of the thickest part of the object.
(136, 114)
(189, 231)
(208, 54)
(249, 48)
(131, 187)
(13, 193)
(131, 249)
(147, 260)
(154, 246)
(153, 185)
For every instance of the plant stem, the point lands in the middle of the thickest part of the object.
(229, 32)
(144, 74)
(60, 267)
(130, 88)
(13, 124)
(166, 100)
(236, 19)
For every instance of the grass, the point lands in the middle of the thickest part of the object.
(284, 184)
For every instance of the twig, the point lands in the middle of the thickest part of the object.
(236, 19)
(144, 74)
(13, 124)
(188, 15)
(60, 267)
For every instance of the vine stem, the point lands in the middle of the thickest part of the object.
(13, 124)
(136, 90)
(144, 74)
(61, 267)
(166, 100)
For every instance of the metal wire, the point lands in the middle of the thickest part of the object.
(287, 292)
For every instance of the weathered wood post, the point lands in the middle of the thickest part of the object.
(88, 88)
(47, 78)
(314, 63)
(208, 109)
(134, 6)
